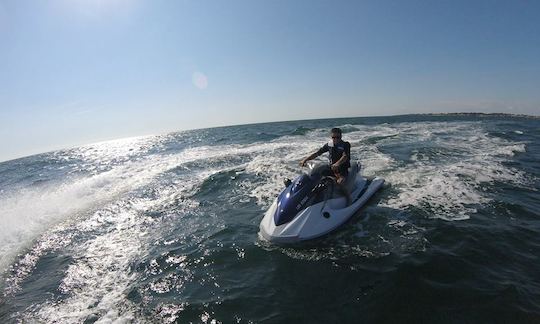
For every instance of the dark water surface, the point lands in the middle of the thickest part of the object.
(164, 228)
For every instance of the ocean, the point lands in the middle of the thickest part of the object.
(163, 229)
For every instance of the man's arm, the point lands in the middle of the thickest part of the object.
(310, 157)
(339, 162)
(314, 155)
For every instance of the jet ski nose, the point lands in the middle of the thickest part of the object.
(293, 199)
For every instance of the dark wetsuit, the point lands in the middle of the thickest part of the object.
(335, 153)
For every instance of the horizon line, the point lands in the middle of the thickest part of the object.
(479, 114)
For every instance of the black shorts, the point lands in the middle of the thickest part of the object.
(342, 171)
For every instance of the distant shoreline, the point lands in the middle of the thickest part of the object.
(480, 114)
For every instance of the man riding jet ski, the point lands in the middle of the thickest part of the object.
(339, 158)
(321, 200)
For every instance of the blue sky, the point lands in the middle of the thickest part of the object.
(81, 71)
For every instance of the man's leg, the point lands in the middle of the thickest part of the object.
(340, 180)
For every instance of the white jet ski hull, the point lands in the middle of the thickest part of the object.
(318, 219)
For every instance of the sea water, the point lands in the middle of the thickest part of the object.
(164, 228)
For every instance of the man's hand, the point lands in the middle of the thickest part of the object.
(303, 162)
(335, 167)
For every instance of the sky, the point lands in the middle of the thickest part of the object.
(80, 71)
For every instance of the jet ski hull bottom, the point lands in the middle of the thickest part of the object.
(320, 218)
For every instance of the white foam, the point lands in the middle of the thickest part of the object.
(442, 192)
(98, 279)
(451, 186)
(31, 212)
(96, 282)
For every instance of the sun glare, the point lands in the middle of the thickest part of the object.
(199, 80)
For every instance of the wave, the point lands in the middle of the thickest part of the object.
(103, 248)
(301, 130)
(30, 212)
(451, 186)
(153, 225)
(447, 183)
(348, 128)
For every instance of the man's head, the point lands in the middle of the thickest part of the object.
(336, 134)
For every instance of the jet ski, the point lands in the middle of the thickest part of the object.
(313, 205)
